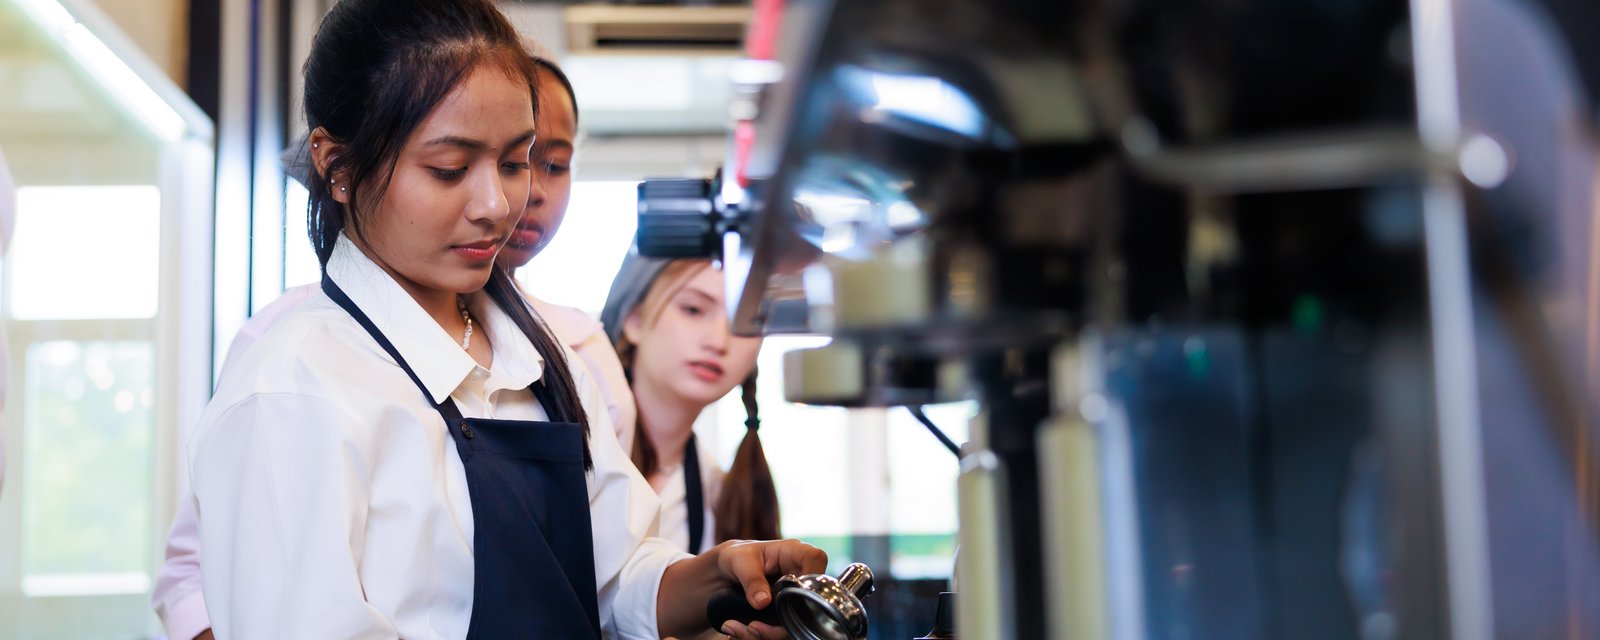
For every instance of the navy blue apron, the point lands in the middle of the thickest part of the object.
(533, 550)
(694, 490)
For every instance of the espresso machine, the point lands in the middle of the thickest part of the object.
(1283, 315)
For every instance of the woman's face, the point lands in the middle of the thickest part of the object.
(458, 187)
(556, 127)
(687, 351)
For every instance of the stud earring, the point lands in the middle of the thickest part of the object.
(316, 145)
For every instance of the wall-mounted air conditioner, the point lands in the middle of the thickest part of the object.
(671, 30)
(650, 70)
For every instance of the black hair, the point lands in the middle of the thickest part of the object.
(548, 66)
(377, 69)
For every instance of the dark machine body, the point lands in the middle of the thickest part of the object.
(1283, 316)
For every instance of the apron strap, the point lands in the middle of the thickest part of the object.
(695, 490)
(361, 318)
(447, 409)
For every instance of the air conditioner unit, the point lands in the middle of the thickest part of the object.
(639, 30)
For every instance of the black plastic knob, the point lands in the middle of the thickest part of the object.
(678, 219)
(730, 604)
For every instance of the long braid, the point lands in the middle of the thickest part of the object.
(748, 506)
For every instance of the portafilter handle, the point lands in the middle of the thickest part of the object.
(730, 604)
(833, 599)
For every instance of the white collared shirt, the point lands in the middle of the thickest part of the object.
(675, 501)
(332, 502)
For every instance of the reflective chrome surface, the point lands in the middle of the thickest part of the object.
(821, 607)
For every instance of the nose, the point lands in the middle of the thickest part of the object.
(716, 336)
(491, 196)
(536, 190)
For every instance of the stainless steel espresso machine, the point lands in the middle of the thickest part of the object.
(1283, 315)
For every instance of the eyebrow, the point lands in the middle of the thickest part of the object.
(701, 293)
(470, 144)
(549, 143)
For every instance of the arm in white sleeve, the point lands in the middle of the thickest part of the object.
(282, 493)
(624, 515)
(600, 358)
(177, 597)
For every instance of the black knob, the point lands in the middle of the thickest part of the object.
(678, 219)
(730, 604)
(944, 621)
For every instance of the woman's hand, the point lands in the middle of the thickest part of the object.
(749, 563)
(687, 586)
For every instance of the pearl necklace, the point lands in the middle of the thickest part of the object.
(466, 340)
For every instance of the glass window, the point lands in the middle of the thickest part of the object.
(922, 491)
(577, 267)
(88, 252)
(88, 432)
(300, 264)
(804, 445)
(809, 447)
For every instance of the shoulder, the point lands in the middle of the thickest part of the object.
(262, 321)
(315, 370)
(571, 325)
(311, 347)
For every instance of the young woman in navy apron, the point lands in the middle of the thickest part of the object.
(176, 595)
(407, 454)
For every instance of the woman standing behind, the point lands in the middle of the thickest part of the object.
(407, 454)
(553, 150)
(668, 323)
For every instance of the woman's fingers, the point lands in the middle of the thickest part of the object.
(754, 631)
(800, 558)
(768, 632)
(746, 564)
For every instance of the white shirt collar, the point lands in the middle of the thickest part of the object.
(436, 357)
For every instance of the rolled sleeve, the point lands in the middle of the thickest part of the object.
(177, 597)
(186, 618)
(634, 611)
(626, 517)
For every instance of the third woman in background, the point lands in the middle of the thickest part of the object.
(668, 323)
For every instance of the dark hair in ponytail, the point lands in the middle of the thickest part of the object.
(747, 509)
(377, 69)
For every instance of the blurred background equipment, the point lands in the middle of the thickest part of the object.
(1282, 316)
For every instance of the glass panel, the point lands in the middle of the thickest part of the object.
(86, 252)
(87, 428)
(922, 491)
(577, 267)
